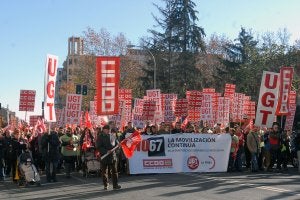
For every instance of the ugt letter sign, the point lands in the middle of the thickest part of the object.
(50, 79)
(267, 101)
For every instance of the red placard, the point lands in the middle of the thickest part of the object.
(292, 110)
(107, 85)
(149, 108)
(286, 78)
(181, 108)
(33, 119)
(27, 100)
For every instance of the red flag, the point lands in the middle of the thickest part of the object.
(40, 127)
(129, 144)
(88, 122)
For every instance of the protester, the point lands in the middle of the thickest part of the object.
(297, 146)
(51, 156)
(69, 150)
(274, 139)
(105, 145)
(2, 149)
(240, 152)
(147, 131)
(7, 153)
(253, 143)
(233, 149)
(163, 129)
(154, 130)
(177, 128)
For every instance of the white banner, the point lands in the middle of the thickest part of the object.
(73, 108)
(181, 153)
(267, 101)
(49, 90)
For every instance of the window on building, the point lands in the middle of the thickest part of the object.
(70, 72)
(70, 61)
(75, 61)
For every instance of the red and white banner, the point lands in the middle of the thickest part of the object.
(229, 93)
(50, 80)
(149, 108)
(267, 101)
(181, 108)
(223, 111)
(125, 95)
(73, 109)
(194, 98)
(33, 119)
(155, 95)
(27, 100)
(292, 110)
(286, 78)
(169, 107)
(137, 113)
(207, 106)
(107, 85)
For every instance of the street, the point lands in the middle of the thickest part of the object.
(232, 186)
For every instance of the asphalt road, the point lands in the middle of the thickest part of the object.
(209, 186)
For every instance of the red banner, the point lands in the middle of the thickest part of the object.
(107, 85)
(267, 100)
(292, 110)
(181, 108)
(50, 81)
(286, 78)
(33, 119)
(149, 108)
(27, 100)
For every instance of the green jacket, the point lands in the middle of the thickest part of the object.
(66, 148)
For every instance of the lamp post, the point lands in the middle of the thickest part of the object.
(154, 69)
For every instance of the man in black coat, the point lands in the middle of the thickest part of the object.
(50, 151)
(105, 143)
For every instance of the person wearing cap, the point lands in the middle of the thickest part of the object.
(105, 143)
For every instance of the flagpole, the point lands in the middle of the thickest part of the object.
(25, 115)
(112, 150)
(48, 148)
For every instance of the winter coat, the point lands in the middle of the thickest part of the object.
(68, 149)
(253, 142)
(50, 147)
(103, 145)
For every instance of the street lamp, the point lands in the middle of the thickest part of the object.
(143, 47)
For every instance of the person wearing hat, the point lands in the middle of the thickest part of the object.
(105, 143)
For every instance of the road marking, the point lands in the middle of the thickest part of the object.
(257, 186)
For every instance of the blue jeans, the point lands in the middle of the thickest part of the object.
(254, 163)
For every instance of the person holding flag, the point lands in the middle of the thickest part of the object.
(106, 144)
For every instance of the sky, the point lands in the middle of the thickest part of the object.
(33, 28)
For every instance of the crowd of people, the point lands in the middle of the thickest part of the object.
(63, 148)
